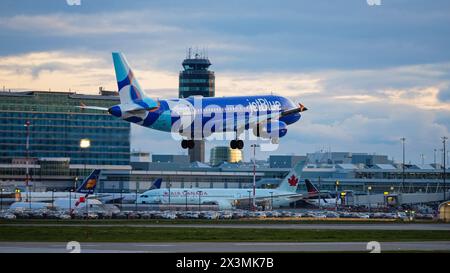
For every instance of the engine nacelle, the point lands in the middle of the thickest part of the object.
(273, 129)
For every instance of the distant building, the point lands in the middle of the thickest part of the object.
(196, 80)
(285, 161)
(370, 159)
(139, 160)
(222, 154)
(346, 158)
(104, 92)
(170, 158)
(163, 162)
(329, 157)
(139, 156)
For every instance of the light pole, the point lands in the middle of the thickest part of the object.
(70, 201)
(403, 164)
(170, 185)
(320, 195)
(254, 146)
(271, 200)
(435, 151)
(444, 139)
(114, 196)
(53, 198)
(186, 196)
(1, 199)
(86, 203)
(27, 171)
(368, 195)
(199, 202)
(85, 143)
(337, 194)
(136, 205)
(385, 196)
(249, 200)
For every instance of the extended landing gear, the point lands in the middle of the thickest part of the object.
(237, 144)
(187, 144)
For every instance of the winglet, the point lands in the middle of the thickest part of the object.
(302, 108)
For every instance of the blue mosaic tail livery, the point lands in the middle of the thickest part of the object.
(131, 94)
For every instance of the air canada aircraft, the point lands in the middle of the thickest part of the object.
(230, 198)
(196, 118)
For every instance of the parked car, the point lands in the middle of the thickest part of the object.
(7, 216)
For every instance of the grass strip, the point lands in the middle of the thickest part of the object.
(137, 234)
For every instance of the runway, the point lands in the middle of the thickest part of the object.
(40, 247)
(327, 226)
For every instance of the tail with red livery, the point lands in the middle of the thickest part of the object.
(290, 182)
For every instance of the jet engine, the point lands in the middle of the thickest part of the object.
(271, 129)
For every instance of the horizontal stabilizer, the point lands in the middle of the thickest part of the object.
(92, 108)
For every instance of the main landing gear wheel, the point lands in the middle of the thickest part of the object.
(187, 144)
(237, 144)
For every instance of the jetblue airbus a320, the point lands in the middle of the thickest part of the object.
(196, 117)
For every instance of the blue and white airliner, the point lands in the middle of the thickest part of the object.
(195, 117)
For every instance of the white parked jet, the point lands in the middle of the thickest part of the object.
(58, 204)
(229, 198)
(86, 188)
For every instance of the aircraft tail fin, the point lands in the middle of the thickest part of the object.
(290, 182)
(89, 184)
(156, 184)
(311, 187)
(130, 91)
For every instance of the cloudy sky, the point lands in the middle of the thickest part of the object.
(369, 74)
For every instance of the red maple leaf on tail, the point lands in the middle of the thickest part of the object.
(293, 181)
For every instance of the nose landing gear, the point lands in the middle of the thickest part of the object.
(237, 144)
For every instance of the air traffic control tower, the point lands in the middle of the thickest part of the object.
(196, 80)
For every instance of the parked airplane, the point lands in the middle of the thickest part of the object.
(319, 198)
(229, 198)
(197, 118)
(87, 187)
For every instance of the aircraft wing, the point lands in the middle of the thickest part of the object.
(92, 107)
